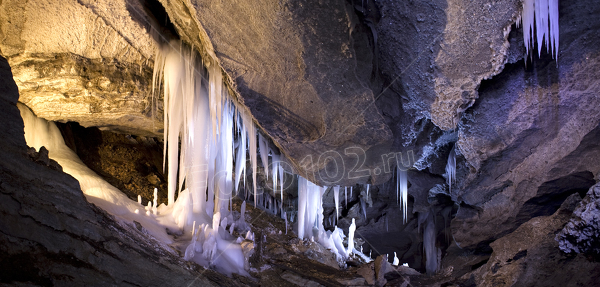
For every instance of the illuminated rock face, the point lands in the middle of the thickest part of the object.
(84, 61)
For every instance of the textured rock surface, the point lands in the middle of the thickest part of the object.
(582, 232)
(444, 50)
(534, 132)
(310, 71)
(530, 256)
(84, 61)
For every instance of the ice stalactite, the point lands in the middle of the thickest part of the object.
(541, 17)
(200, 117)
(309, 205)
(402, 191)
(451, 168)
(346, 195)
(263, 147)
(336, 198)
(240, 159)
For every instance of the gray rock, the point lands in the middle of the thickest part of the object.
(582, 232)
(530, 256)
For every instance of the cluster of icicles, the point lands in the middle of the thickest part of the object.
(206, 132)
(540, 17)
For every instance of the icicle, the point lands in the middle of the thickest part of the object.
(274, 164)
(214, 88)
(541, 17)
(346, 195)
(286, 222)
(431, 252)
(264, 153)
(249, 124)
(363, 204)
(240, 160)
(403, 187)
(336, 198)
(302, 201)
(368, 191)
(451, 168)
(386, 224)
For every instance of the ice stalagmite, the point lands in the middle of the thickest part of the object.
(396, 260)
(351, 231)
(431, 252)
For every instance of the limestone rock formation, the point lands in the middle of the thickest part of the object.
(83, 61)
(530, 256)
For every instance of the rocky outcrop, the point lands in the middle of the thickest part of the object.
(84, 61)
(434, 54)
(582, 232)
(532, 135)
(530, 256)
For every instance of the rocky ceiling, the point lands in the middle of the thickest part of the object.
(337, 77)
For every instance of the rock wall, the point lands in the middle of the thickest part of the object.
(532, 126)
(84, 61)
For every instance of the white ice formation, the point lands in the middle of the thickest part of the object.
(541, 17)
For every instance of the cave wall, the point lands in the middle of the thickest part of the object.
(84, 61)
(532, 125)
